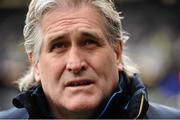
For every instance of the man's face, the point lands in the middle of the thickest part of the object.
(77, 68)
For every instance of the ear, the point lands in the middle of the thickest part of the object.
(119, 51)
(35, 67)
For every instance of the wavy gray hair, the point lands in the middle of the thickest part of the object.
(33, 34)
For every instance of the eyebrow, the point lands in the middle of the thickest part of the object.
(91, 33)
(54, 38)
(85, 32)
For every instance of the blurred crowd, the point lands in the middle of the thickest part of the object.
(154, 45)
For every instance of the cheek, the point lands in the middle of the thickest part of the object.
(107, 64)
(111, 69)
(50, 70)
(107, 70)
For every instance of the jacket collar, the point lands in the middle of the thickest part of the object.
(129, 101)
(35, 103)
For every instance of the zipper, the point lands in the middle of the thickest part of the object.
(141, 106)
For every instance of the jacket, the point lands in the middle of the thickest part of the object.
(129, 101)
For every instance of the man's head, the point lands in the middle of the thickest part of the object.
(33, 33)
(75, 47)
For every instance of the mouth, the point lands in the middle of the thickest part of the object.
(79, 83)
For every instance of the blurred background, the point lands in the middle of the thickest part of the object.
(154, 45)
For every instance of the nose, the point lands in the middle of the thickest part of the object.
(75, 62)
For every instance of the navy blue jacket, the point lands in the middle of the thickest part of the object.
(128, 101)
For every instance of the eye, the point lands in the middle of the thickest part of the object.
(59, 46)
(90, 42)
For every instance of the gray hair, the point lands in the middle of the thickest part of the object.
(33, 34)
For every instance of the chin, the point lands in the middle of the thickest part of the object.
(83, 105)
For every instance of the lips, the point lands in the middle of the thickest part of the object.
(77, 83)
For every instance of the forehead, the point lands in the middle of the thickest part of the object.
(60, 15)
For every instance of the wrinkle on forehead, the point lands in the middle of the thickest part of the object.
(63, 17)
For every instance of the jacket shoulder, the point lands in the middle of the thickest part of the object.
(14, 113)
(157, 111)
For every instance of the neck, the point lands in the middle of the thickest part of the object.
(65, 114)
